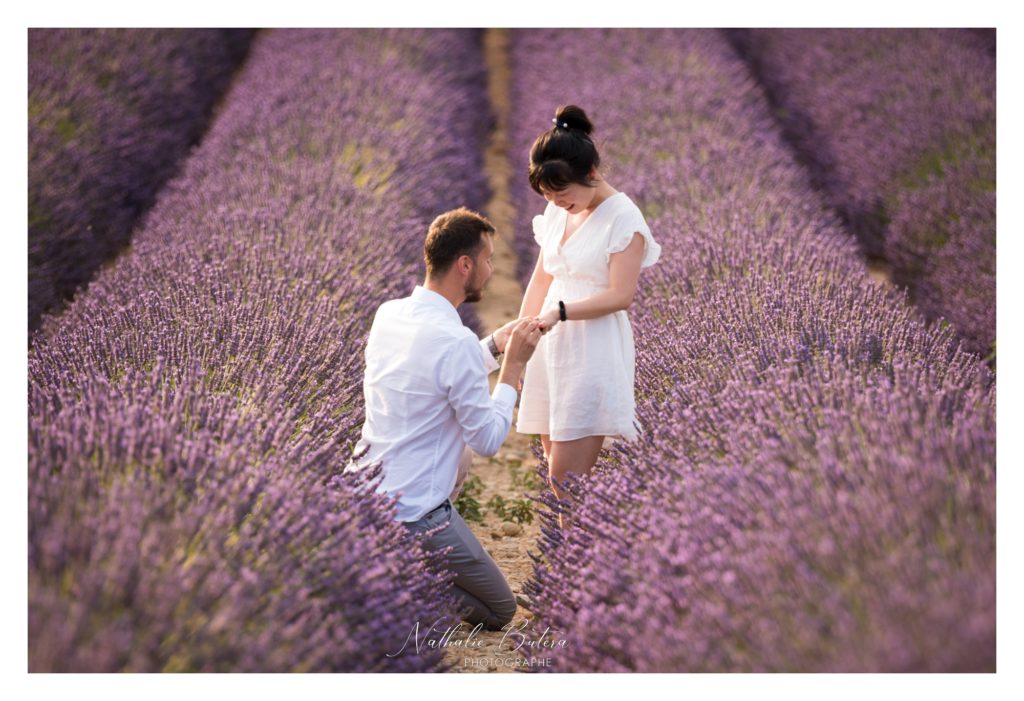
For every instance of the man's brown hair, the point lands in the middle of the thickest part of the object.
(451, 235)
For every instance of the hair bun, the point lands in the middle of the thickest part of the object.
(575, 117)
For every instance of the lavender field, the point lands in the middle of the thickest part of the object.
(898, 128)
(111, 113)
(190, 415)
(814, 487)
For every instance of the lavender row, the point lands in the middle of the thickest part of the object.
(898, 128)
(111, 113)
(814, 489)
(191, 413)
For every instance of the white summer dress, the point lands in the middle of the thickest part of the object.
(580, 379)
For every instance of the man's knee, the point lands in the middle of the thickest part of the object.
(504, 610)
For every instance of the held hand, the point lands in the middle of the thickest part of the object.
(548, 319)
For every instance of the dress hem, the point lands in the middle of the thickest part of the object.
(611, 433)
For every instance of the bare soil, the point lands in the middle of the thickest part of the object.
(484, 651)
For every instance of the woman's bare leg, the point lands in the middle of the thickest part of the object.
(577, 456)
(545, 441)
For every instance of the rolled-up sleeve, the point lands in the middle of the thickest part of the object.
(485, 417)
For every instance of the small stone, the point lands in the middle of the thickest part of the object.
(496, 535)
(509, 528)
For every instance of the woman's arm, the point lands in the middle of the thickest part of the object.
(623, 274)
(536, 290)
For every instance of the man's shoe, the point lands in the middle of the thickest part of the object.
(524, 601)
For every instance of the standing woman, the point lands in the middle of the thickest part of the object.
(578, 388)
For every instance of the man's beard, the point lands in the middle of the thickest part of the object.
(473, 294)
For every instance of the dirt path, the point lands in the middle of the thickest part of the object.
(486, 651)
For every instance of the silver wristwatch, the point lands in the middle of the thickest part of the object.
(493, 347)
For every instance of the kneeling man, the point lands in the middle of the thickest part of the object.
(428, 402)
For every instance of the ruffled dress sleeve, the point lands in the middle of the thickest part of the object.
(540, 226)
(627, 224)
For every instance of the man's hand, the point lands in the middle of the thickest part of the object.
(522, 341)
(501, 335)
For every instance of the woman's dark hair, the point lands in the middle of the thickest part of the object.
(565, 154)
(456, 233)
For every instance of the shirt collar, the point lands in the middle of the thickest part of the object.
(424, 296)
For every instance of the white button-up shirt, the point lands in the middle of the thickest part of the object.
(427, 398)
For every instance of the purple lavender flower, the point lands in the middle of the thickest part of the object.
(111, 112)
(898, 129)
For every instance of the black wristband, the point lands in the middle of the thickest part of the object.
(561, 310)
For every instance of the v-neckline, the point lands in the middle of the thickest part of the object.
(562, 244)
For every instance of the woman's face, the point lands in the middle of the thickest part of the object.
(574, 199)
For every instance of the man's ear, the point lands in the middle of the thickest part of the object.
(465, 264)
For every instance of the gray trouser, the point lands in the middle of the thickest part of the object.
(479, 585)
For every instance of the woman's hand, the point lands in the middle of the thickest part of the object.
(548, 319)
